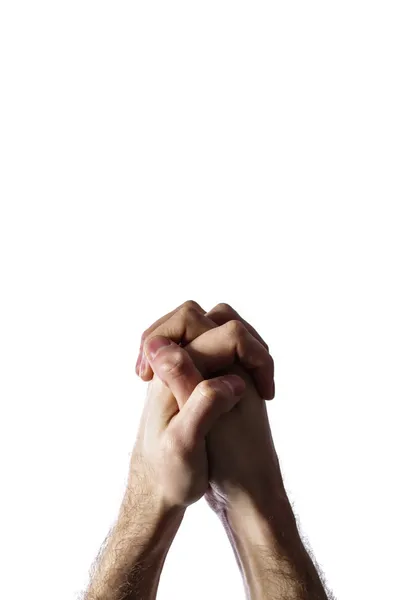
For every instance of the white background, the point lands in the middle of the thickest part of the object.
(240, 152)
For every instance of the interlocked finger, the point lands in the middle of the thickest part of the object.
(181, 325)
(215, 340)
(229, 343)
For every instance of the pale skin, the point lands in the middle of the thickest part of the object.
(200, 436)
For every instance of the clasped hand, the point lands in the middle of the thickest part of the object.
(205, 428)
(204, 431)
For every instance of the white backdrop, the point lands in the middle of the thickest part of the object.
(240, 152)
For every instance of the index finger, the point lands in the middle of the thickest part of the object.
(188, 304)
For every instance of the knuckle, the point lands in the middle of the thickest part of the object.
(191, 305)
(190, 313)
(226, 308)
(208, 390)
(173, 364)
(236, 328)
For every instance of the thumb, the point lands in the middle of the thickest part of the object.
(174, 366)
(209, 400)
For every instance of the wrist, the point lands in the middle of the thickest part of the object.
(260, 491)
(269, 549)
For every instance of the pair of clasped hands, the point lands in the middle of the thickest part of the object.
(204, 430)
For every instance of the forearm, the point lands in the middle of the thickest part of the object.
(130, 564)
(274, 562)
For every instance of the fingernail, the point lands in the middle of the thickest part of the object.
(155, 344)
(138, 362)
(143, 364)
(236, 384)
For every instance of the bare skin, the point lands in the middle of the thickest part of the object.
(198, 437)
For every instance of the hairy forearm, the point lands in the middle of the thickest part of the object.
(130, 562)
(275, 564)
